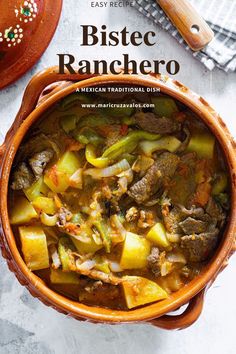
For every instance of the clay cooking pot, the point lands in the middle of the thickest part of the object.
(156, 313)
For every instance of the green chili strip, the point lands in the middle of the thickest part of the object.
(104, 232)
(128, 144)
(90, 155)
(88, 136)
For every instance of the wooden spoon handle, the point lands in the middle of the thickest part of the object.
(189, 23)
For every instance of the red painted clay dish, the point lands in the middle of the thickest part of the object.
(23, 25)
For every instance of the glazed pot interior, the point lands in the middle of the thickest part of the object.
(175, 300)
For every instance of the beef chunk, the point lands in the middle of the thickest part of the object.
(191, 226)
(182, 221)
(24, 174)
(22, 177)
(177, 215)
(199, 247)
(39, 161)
(164, 167)
(215, 211)
(171, 221)
(193, 212)
(151, 123)
(154, 261)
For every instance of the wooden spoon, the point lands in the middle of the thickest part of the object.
(193, 28)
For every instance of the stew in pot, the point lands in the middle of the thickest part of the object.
(118, 205)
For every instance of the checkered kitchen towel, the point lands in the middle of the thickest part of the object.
(220, 15)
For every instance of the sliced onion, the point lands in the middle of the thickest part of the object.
(142, 164)
(109, 171)
(76, 180)
(176, 257)
(123, 185)
(125, 178)
(56, 262)
(128, 174)
(87, 265)
(48, 220)
(119, 227)
(166, 268)
(115, 267)
(97, 238)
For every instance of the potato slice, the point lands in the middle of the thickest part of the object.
(140, 291)
(68, 163)
(86, 247)
(47, 205)
(57, 276)
(22, 211)
(157, 235)
(34, 247)
(135, 252)
(57, 181)
(57, 178)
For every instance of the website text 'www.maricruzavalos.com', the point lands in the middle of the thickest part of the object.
(117, 105)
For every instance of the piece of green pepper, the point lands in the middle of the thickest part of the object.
(164, 106)
(88, 136)
(169, 143)
(128, 144)
(68, 122)
(65, 247)
(203, 144)
(90, 155)
(104, 232)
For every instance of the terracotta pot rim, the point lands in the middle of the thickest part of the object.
(207, 114)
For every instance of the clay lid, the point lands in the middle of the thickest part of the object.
(26, 29)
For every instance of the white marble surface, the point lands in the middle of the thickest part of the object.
(29, 327)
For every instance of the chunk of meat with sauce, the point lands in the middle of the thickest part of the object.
(153, 261)
(39, 161)
(163, 168)
(25, 174)
(22, 177)
(151, 123)
(199, 247)
(178, 214)
(191, 225)
(215, 211)
(184, 181)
